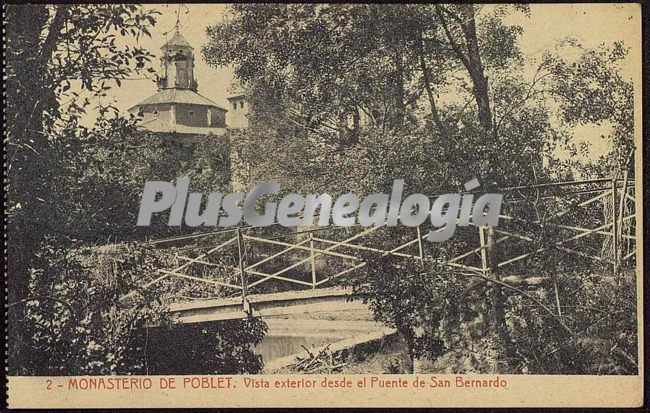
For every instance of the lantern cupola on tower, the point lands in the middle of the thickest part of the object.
(177, 63)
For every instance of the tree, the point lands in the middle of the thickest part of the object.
(403, 295)
(444, 95)
(591, 90)
(48, 48)
(71, 189)
(318, 64)
(309, 67)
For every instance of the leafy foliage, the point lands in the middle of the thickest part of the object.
(73, 321)
(403, 92)
(72, 188)
(592, 90)
(355, 95)
(403, 295)
(190, 349)
(48, 48)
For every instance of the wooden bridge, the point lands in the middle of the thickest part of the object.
(268, 305)
(249, 271)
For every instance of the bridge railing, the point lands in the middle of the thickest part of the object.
(249, 269)
(305, 255)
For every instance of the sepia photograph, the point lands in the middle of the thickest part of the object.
(348, 198)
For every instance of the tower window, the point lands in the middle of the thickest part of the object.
(241, 105)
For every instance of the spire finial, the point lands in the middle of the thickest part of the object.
(177, 25)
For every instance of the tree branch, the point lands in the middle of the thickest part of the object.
(427, 84)
(452, 41)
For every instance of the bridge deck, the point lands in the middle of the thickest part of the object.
(269, 305)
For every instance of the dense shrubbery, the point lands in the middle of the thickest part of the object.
(220, 348)
(73, 189)
(81, 321)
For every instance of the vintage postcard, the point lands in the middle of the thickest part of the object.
(323, 205)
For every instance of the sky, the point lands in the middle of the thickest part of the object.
(591, 24)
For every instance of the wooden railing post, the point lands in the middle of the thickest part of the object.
(621, 213)
(420, 249)
(312, 260)
(484, 259)
(490, 264)
(614, 226)
(242, 268)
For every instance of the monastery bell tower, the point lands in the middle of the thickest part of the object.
(177, 107)
(177, 63)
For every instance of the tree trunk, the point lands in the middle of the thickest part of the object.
(470, 59)
(472, 62)
(426, 76)
(28, 152)
(498, 310)
(407, 351)
(476, 71)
